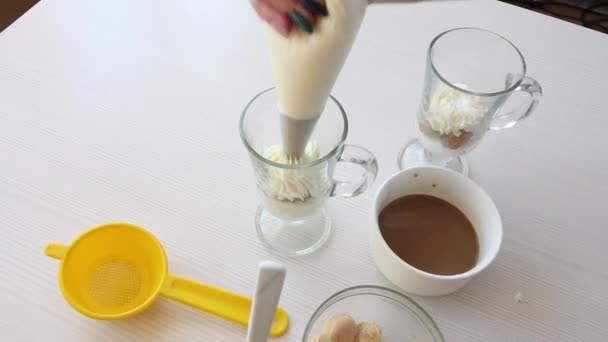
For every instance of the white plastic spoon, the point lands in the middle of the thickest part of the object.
(271, 275)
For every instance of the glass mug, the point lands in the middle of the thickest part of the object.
(298, 226)
(470, 75)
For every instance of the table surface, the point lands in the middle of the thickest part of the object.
(127, 111)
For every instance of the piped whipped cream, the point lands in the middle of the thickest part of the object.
(293, 185)
(452, 111)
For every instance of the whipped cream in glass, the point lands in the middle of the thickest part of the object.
(452, 111)
(293, 194)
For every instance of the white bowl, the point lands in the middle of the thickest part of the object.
(456, 189)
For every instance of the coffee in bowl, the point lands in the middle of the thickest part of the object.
(434, 230)
(430, 234)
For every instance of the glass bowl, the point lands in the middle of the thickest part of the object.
(399, 317)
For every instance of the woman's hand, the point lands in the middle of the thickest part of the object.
(283, 14)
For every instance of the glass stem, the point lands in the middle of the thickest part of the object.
(437, 160)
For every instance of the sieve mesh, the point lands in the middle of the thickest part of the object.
(115, 283)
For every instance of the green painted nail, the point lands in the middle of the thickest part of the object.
(315, 7)
(300, 20)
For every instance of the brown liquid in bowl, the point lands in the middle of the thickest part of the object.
(430, 234)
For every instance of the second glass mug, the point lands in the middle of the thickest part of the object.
(470, 75)
(298, 226)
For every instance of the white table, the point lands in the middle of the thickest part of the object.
(127, 110)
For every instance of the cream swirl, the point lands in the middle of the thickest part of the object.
(452, 111)
(293, 184)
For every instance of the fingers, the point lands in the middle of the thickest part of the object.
(277, 19)
(283, 6)
(302, 17)
(315, 7)
(282, 14)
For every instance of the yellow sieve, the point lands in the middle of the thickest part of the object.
(118, 269)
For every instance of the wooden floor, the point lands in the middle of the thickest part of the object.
(11, 10)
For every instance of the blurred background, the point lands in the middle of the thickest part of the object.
(10, 10)
(589, 13)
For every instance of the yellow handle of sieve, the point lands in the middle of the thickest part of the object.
(220, 302)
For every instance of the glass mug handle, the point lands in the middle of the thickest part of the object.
(509, 119)
(362, 157)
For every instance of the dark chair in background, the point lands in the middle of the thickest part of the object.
(11, 10)
(589, 13)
